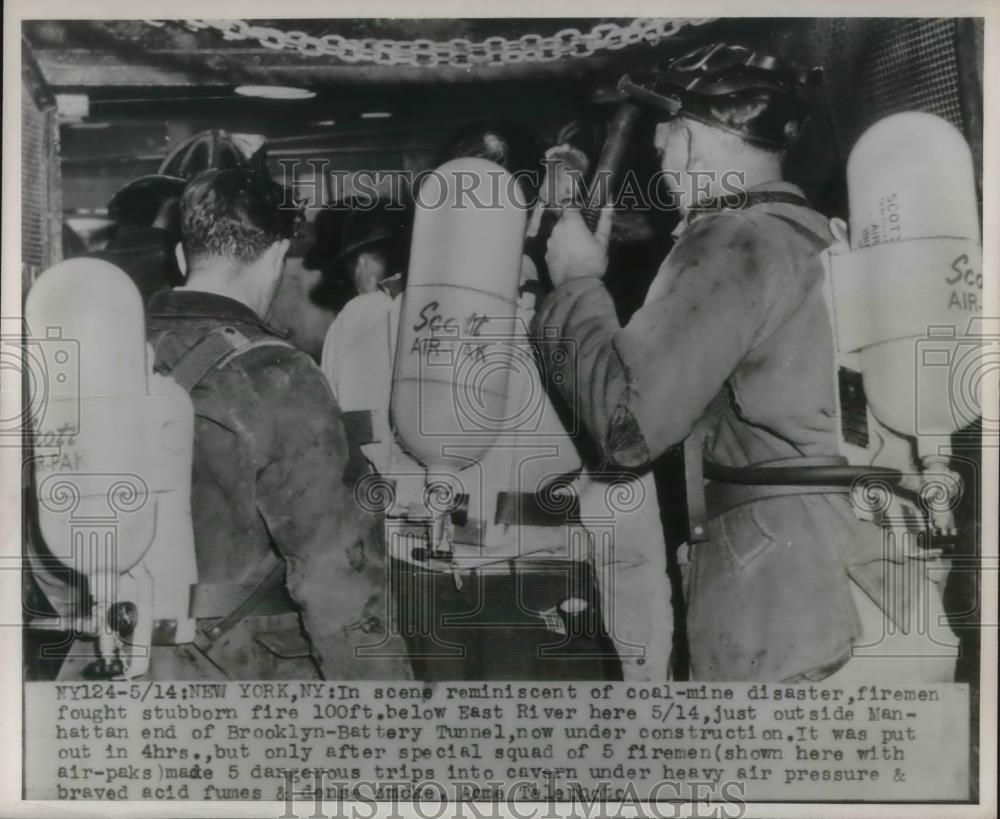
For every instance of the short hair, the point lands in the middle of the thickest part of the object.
(236, 214)
(510, 146)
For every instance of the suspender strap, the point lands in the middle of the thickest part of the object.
(196, 363)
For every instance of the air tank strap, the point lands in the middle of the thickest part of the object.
(196, 363)
(750, 200)
(222, 600)
(212, 600)
(360, 427)
(531, 509)
(821, 242)
(264, 592)
(767, 198)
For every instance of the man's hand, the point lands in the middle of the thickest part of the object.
(573, 251)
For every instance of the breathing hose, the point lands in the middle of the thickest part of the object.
(605, 173)
(787, 475)
(612, 155)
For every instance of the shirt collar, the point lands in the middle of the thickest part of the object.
(193, 304)
(776, 186)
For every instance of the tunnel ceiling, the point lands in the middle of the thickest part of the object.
(147, 86)
(125, 55)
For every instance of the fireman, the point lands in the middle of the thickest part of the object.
(732, 352)
(271, 504)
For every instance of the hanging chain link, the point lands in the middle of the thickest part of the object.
(529, 48)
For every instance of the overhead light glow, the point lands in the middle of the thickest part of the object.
(376, 115)
(73, 106)
(326, 122)
(275, 92)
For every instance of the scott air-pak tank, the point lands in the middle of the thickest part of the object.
(112, 453)
(456, 328)
(906, 294)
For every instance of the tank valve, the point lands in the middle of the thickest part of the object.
(940, 491)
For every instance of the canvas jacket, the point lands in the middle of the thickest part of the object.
(734, 343)
(270, 457)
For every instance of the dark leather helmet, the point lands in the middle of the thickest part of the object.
(716, 83)
(138, 201)
(342, 232)
(372, 223)
(213, 150)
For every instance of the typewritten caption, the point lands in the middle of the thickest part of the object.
(238, 740)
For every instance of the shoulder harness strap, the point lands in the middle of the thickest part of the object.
(228, 603)
(218, 347)
(197, 362)
(755, 198)
(821, 242)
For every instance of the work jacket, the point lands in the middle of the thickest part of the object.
(734, 345)
(270, 454)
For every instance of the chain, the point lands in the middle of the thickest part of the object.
(529, 48)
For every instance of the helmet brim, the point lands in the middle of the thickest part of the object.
(135, 196)
(671, 100)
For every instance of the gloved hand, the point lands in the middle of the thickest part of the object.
(573, 251)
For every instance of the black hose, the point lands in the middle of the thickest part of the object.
(607, 169)
(612, 155)
(790, 475)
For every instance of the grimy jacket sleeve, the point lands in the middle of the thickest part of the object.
(335, 571)
(639, 389)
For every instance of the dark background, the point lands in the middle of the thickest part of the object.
(147, 88)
